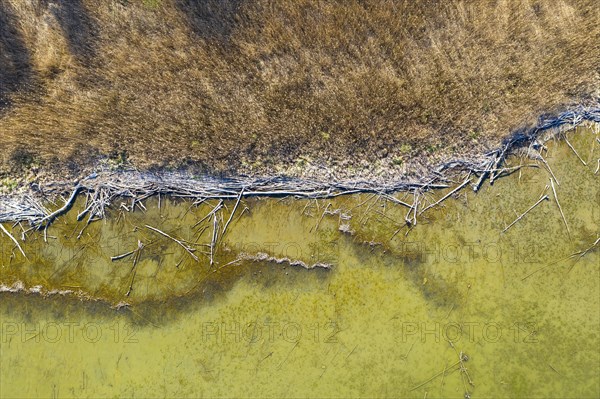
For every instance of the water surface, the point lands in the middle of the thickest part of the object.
(448, 307)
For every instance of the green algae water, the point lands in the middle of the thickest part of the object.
(451, 307)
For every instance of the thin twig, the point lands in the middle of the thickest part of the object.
(559, 207)
(117, 257)
(214, 210)
(13, 240)
(214, 238)
(362, 203)
(366, 213)
(133, 271)
(571, 147)
(467, 181)
(542, 198)
(549, 169)
(396, 200)
(435, 376)
(581, 254)
(232, 213)
(187, 249)
(322, 215)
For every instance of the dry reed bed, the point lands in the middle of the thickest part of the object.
(258, 87)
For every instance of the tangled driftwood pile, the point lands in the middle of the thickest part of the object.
(102, 188)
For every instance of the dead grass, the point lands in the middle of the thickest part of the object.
(228, 86)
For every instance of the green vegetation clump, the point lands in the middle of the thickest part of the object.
(8, 184)
(276, 81)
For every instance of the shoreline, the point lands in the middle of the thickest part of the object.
(104, 185)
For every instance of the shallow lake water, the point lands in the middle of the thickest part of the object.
(449, 307)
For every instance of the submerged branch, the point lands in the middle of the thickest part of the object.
(13, 239)
(542, 198)
(187, 249)
(581, 254)
(457, 189)
(559, 207)
(45, 222)
(232, 212)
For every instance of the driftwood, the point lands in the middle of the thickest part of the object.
(542, 198)
(396, 200)
(441, 373)
(573, 149)
(457, 189)
(118, 257)
(581, 254)
(187, 249)
(486, 171)
(136, 258)
(490, 167)
(412, 221)
(213, 241)
(88, 205)
(105, 187)
(214, 210)
(13, 239)
(559, 207)
(499, 159)
(237, 203)
(541, 158)
(46, 221)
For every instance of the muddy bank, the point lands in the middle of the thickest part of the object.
(104, 184)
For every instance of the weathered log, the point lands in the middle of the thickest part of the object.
(45, 222)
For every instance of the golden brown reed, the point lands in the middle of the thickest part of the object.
(233, 85)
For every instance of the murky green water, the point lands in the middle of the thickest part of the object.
(392, 318)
